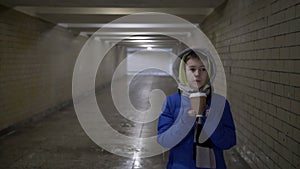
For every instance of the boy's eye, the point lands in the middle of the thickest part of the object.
(202, 69)
(193, 69)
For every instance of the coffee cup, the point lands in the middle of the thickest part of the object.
(198, 102)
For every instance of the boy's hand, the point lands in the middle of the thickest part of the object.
(192, 112)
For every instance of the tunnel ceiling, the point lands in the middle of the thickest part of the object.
(84, 17)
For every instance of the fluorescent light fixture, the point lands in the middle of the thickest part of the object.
(120, 33)
(36, 10)
(126, 25)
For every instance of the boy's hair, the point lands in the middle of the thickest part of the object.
(193, 55)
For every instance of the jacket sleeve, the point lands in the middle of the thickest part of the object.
(224, 136)
(172, 129)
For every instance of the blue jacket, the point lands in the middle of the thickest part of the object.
(175, 131)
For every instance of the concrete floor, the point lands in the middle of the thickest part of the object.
(59, 141)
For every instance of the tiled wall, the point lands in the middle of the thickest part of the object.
(259, 44)
(36, 66)
(37, 60)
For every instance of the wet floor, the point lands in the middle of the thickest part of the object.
(59, 141)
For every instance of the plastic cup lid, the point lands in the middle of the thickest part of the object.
(199, 94)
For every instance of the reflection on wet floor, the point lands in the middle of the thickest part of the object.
(59, 141)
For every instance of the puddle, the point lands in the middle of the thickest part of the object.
(127, 125)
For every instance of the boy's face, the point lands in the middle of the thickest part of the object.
(196, 73)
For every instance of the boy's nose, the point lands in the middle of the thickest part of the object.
(197, 73)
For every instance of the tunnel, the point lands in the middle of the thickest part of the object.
(84, 83)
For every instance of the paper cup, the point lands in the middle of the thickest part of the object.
(198, 102)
